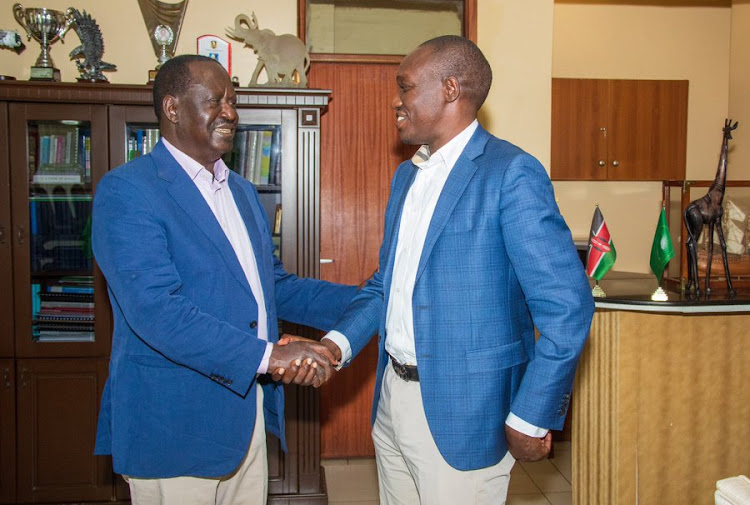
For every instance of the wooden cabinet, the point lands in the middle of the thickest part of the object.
(618, 130)
(57, 141)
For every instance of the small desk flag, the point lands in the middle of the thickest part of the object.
(661, 250)
(602, 254)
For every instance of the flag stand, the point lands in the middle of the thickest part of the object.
(659, 295)
(598, 292)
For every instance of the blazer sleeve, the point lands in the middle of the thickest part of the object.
(131, 248)
(556, 291)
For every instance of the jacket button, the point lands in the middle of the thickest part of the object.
(253, 324)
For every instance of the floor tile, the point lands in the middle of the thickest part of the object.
(559, 498)
(351, 481)
(527, 499)
(546, 476)
(562, 460)
(520, 482)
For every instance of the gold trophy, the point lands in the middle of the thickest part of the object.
(163, 21)
(46, 26)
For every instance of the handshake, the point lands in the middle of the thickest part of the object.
(298, 360)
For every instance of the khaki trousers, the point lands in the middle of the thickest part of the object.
(248, 485)
(411, 469)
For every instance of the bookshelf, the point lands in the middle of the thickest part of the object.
(57, 141)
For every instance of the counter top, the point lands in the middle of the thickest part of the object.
(632, 291)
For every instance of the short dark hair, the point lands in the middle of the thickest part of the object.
(458, 56)
(173, 78)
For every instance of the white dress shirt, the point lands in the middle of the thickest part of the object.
(215, 190)
(416, 216)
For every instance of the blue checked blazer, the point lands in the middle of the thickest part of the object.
(498, 261)
(181, 395)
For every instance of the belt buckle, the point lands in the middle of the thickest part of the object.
(400, 370)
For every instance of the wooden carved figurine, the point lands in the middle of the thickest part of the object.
(708, 211)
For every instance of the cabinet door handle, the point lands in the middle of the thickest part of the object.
(324, 261)
(2, 234)
(19, 234)
(6, 378)
(601, 163)
(615, 163)
(22, 379)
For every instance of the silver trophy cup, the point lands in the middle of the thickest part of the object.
(46, 26)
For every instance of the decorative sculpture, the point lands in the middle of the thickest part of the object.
(10, 39)
(285, 57)
(91, 49)
(708, 211)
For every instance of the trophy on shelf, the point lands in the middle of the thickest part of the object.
(163, 21)
(46, 26)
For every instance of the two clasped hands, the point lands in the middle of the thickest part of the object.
(298, 360)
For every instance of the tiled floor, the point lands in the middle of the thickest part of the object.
(546, 482)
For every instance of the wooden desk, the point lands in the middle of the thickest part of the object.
(662, 401)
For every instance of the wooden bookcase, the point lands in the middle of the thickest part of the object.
(51, 379)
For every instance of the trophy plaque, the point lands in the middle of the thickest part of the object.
(163, 21)
(46, 26)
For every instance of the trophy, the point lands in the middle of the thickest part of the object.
(163, 21)
(46, 26)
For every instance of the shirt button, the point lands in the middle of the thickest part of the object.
(253, 324)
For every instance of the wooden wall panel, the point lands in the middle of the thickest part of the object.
(360, 151)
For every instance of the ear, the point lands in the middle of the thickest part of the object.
(169, 107)
(451, 88)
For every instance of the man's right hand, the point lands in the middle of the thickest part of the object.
(296, 360)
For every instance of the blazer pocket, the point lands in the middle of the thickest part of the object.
(500, 357)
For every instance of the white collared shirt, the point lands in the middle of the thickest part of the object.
(416, 216)
(215, 190)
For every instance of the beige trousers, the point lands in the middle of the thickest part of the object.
(248, 485)
(411, 469)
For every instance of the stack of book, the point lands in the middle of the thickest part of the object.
(256, 156)
(60, 232)
(142, 141)
(59, 154)
(64, 311)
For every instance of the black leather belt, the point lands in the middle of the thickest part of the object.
(405, 372)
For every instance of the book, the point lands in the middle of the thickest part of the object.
(265, 156)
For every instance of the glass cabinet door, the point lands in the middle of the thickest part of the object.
(57, 155)
(6, 276)
(134, 132)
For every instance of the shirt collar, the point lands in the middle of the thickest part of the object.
(449, 153)
(194, 169)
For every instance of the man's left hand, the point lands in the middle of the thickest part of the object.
(526, 448)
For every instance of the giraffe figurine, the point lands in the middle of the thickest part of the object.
(707, 211)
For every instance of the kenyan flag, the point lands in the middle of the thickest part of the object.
(602, 254)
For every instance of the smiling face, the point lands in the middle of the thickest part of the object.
(203, 118)
(420, 103)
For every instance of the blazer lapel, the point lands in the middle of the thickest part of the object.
(186, 194)
(454, 188)
(248, 214)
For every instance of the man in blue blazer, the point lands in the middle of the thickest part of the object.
(475, 256)
(196, 291)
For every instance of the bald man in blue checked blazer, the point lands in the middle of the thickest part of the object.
(475, 255)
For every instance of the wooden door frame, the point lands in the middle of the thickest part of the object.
(469, 30)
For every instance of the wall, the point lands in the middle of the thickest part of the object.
(739, 87)
(128, 44)
(645, 42)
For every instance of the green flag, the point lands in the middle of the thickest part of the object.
(662, 250)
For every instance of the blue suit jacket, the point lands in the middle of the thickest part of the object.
(498, 260)
(181, 394)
